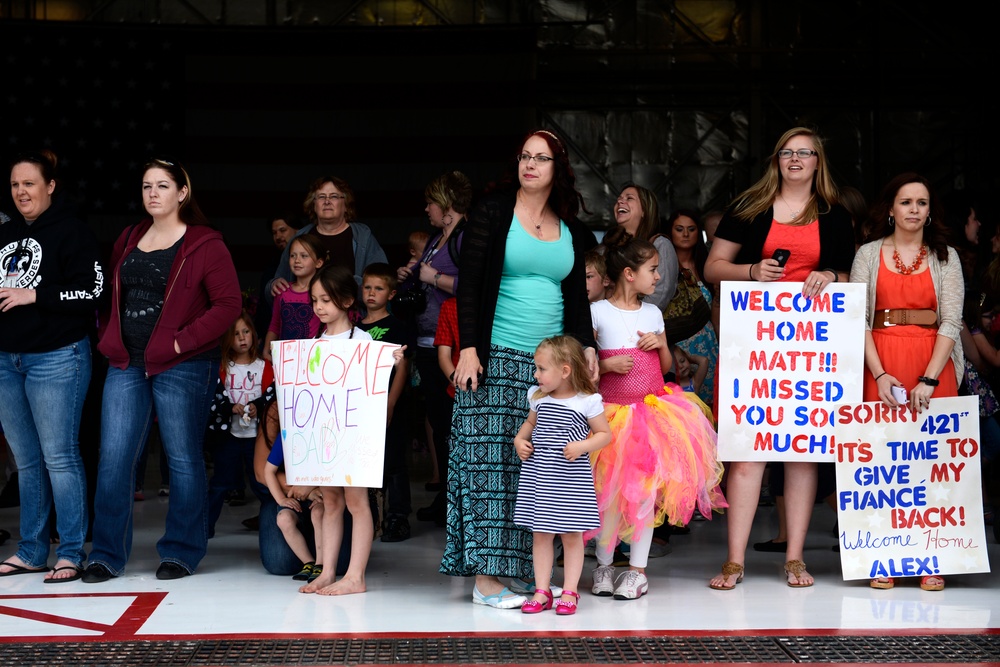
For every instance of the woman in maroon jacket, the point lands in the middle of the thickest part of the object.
(174, 292)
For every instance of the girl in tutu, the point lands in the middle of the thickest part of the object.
(662, 462)
(555, 493)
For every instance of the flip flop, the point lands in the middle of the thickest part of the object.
(18, 569)
(77, 573)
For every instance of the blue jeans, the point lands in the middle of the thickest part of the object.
(232, 462)
(180, 398)
(275, 554)
(41, 399)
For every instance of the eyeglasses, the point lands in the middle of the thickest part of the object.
(539, 159)
(802, 153)
(332, 197)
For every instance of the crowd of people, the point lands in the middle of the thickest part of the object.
(567, 385)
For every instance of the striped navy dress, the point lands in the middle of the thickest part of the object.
(555, 495)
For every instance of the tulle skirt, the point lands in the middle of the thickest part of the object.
(661, 464)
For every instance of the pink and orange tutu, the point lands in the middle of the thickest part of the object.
(662, 461)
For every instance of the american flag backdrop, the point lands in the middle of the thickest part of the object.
(256, 114)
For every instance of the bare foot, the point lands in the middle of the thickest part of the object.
(319, 582)
(346, 586)
(63, 570)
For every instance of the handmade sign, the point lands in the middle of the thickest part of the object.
(785, 362)
(909, 490)
(332, 401)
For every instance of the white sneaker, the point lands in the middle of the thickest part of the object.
(604, 577)
(632, 585)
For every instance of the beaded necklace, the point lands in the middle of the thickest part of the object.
(903, 268)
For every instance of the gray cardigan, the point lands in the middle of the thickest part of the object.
(949, 285)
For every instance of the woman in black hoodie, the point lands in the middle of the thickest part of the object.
(52, 279)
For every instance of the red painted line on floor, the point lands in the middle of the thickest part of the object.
(135, 615)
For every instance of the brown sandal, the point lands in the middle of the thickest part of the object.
(932, 583)
(729, 568)
(795, 568)
(882, 583)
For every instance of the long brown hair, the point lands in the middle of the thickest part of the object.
(229, 339)
(935, 231)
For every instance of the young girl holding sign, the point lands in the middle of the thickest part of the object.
(662, 460)
(334, 297)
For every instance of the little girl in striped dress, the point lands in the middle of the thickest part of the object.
(555, 494)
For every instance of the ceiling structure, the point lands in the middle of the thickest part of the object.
(685, 97)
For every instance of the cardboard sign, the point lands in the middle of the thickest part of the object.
(909, 490)
(785, 362)
(332, 401)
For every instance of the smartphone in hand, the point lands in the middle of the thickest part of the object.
(781, 256)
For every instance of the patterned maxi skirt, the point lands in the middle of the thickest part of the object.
(483, 472)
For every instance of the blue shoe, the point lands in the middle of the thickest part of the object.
(527, 588)
(505, 599)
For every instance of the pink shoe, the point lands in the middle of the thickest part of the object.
(565, 608)
(534, 606)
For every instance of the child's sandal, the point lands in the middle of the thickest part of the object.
(304, 573)
(567, 607)
(534, 606)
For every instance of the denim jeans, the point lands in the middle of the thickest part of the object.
(275, 554)
(232, 463)
(41, 398)
(180, 398)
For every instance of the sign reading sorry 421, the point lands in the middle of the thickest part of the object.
(909, 490)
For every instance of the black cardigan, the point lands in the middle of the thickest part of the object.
(481, 267)
(836, 237)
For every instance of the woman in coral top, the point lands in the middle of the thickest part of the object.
(915, 298)
(792, 207)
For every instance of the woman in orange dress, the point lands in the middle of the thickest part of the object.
(915, 298)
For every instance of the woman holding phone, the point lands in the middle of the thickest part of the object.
(792, 209)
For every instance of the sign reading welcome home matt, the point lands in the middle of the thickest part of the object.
(785, 362)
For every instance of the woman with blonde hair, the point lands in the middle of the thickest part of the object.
(792, 207)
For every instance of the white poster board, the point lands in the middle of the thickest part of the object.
(332, 401)
(909, 490)
(785, 363)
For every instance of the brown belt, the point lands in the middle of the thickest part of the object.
(895, 316)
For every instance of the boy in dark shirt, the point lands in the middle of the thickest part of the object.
(378, 286)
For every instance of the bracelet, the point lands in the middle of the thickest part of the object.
(930, 382)
(751, 271)
(836, 276)
(437, 276)
(883, 373)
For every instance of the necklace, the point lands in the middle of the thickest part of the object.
(632, 331)
(537, 224)
(903, 268)
(795, 213)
